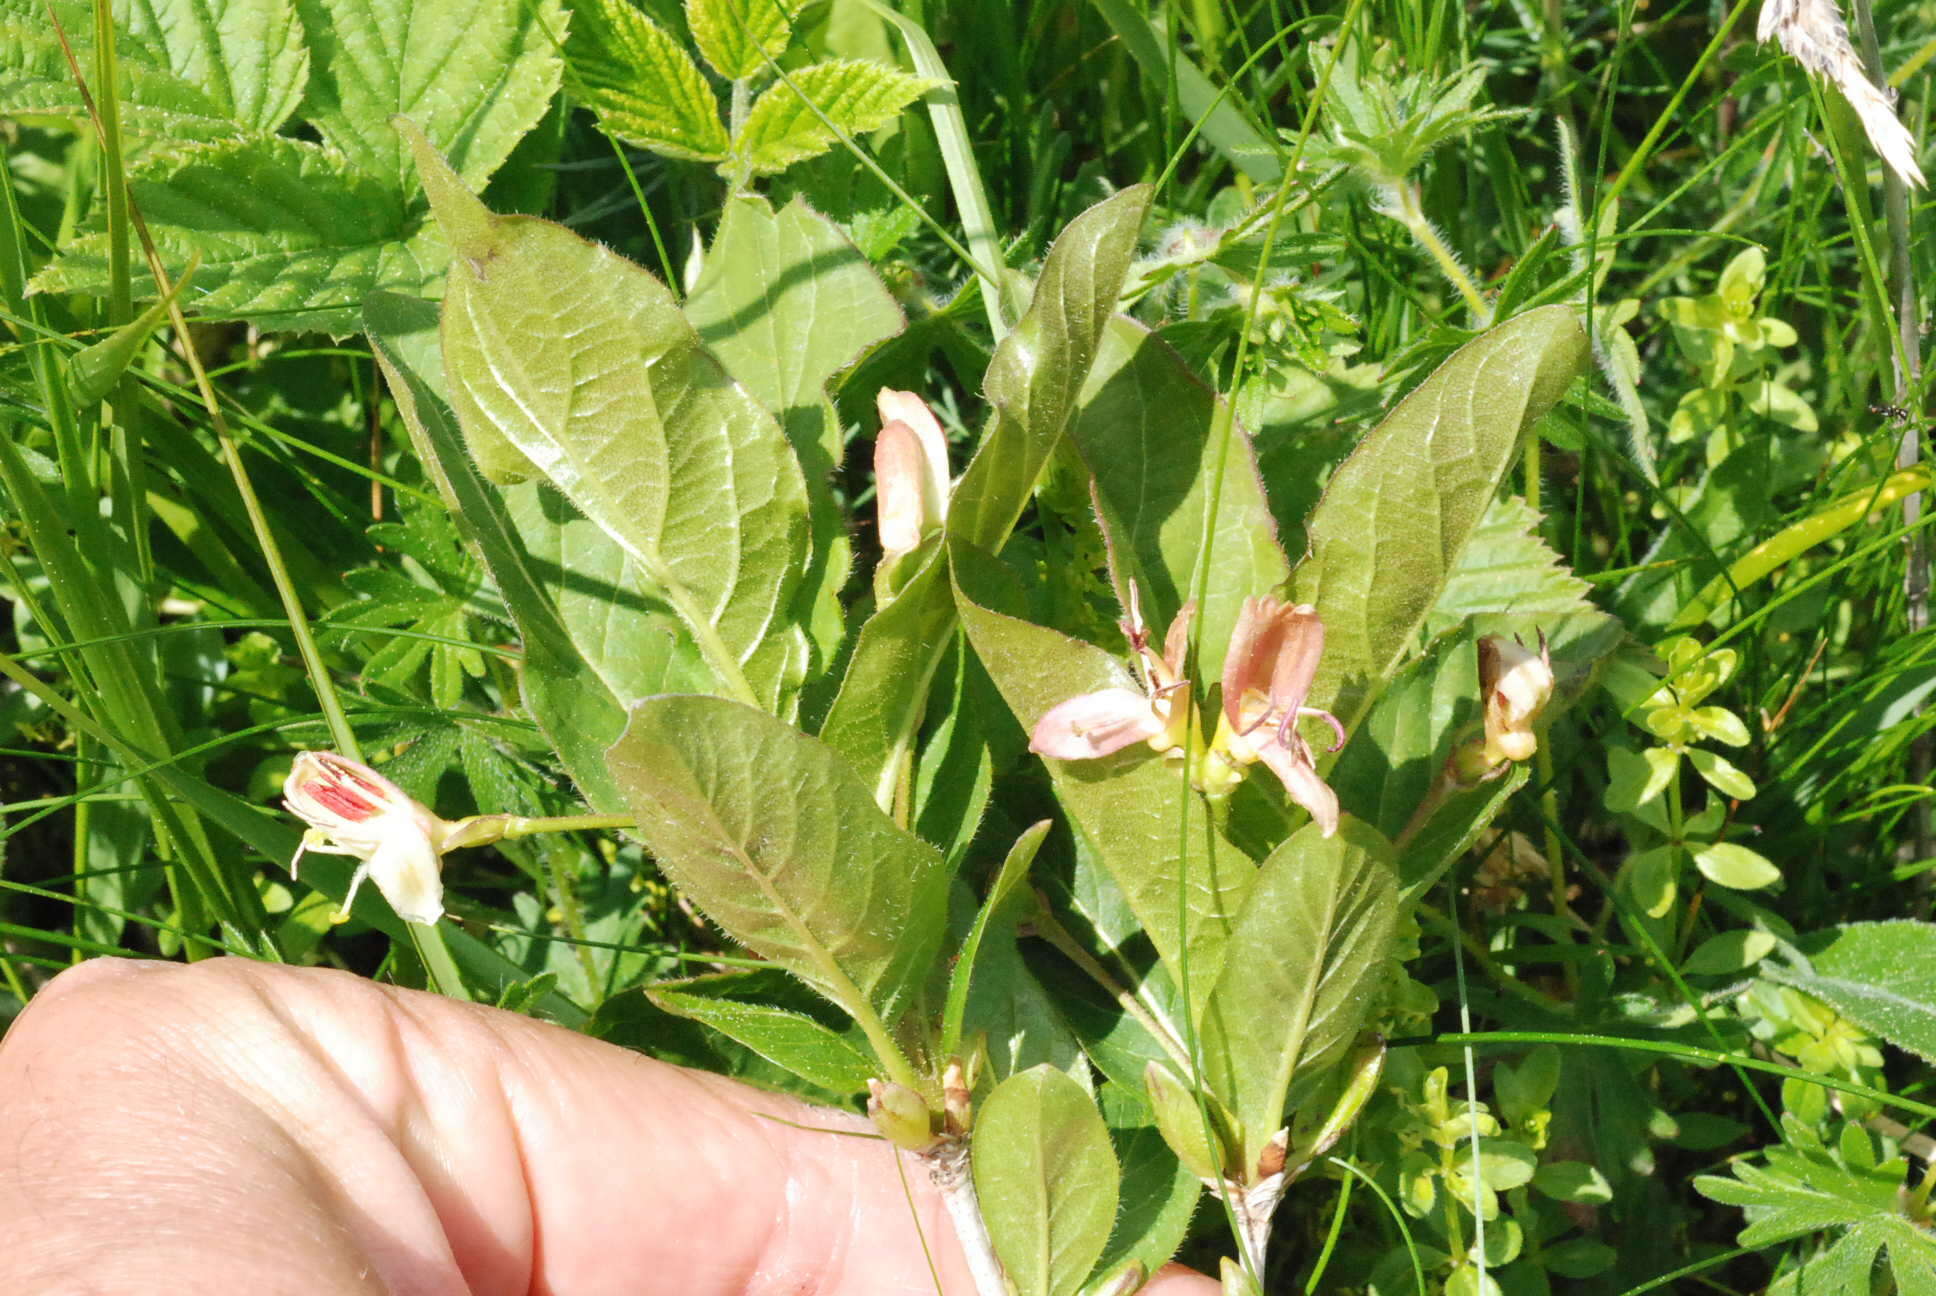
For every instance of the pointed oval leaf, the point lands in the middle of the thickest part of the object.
(569, 357)
(783, 847)
(1387, 533)
(1047, 1180)
(1301, 972)
(787, 1039)
(1729, 865)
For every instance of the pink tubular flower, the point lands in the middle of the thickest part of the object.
(1108, 720)
(1267, 674)
(910, 471)
(353, 810)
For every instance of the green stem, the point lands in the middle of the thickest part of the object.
(1408, 213)
(725, 665)
(429, 940)
(527, 826)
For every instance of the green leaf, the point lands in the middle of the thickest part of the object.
(566, 355)
(1654, 877)
(288, 234)
(854, 95)
(564, 694)
(740, 37)
(248, 56)
(1573, 1181)
(93, 370)
(1880, 975)
(474, 75)
(205, 82)
(1146, 430)
(642, 84)
(1387, 533)
(1726, 864)
(787, 302)
(787, 1039)
(1158, 1198)
(1729, 952)
(1134, 808)
(1507, 581)
(1042, 365)
(1047, 1180)
(1721, 773)
(1301, 973)
(783, 847)
(1015, 867)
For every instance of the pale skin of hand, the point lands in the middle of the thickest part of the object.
(251, 1130)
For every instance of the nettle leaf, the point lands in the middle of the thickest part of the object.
(1880, 975)
(288, 234)
(563, 692)
(176, 89)
(1508, 581)
(854, 95)
(786, 302)
(1130, 807)
(1301, 971)
(740, 37)
(1388, 531)
(563, 357)
(1047, 1180)
(1033, 380)
(641, 82)
(1146, 432)
(474, 75)
(782, 846)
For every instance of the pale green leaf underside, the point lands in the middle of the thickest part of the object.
(1145, 430)
(854, 95)
(1300, 972)
(287, 232)
(644, 86)
(739, 37)
(1880, 975)
(1389, 528)
(1047, 1180)
(784, 848)
(787, 1039)
(474, 75)
(583, 362)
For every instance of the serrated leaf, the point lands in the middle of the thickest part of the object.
(163, 99)
(642, 84)
(1146, 430)
(1508, 581)
(565, 355)
(1047, 1180)
(790, 1040)
(740, 37)
(1300, 973)
(1388, 531)
(783, 847)
(287, 232)
(1880, 975)
(474, 75)
(249, 56)
(854, 95)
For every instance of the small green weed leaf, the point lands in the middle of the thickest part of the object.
(783, 847)
(288, 234)
(1131, 806)
(1729, 953)
(1388, 531)
(475, 75)
(1047, 1180)
(188, 69)
(786, 302)
(1804, 1186)
(1635, 778)
(1880, 975)
(571, 704)
(787, 1039)
(1525, 1090)
(1015, 867)
(1145, 428)
(740, 37)
(1654, 876)
(582, 363)
(1501, 1164)
(1729, 865)
(1301, 972)
(641, 82)
(1039, 369)
(1573, 1181)
(854, 95)
(1721, 773)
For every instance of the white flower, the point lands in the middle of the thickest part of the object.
(1814, 35)
(1516, 684)
(910, 471)
(353, 810)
